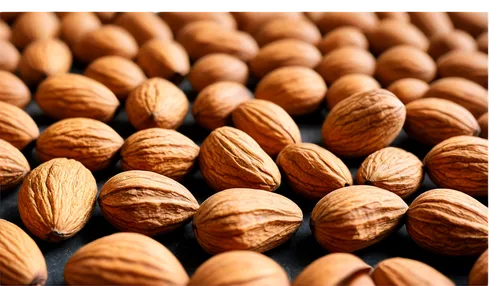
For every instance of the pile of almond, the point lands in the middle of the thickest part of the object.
(390, 98)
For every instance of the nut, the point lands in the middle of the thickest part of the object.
(391, 32)
(455, 40)
(345, 60)
(343, 37)
(13, 90)
(57, 199)
(348, 85)
(252, 22)
(5, 32)
(144, 26)
(365, 21)
(431, 23)
(9, 56)
(13, 166)
(479, 272)
(245, 219)
(76, 25)
(106, 17)
(482, 42)
(288, 28)
(472, 65)
(16, 126)
(483, 123)
(408, 89)
(400, 16)
(178, 20)
(32, 26)
(473, 23)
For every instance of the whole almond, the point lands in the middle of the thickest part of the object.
(16, 126)
(245, 219)
(479, 272)
(281, 53)
(483, 123)
(390, 32)
(268, 124)
(73, 95)
(156, 103)
(313, 171)
(288, 28)
(365, 21)
(448, 222)
(32, 26)
(433, 120)
(76, 25)
(106, 17)
(92, 142)
(178, 20)
(253, 169)
(363, 123)
(343, 37)
(118, 74)
(13, 166)
(9, 56)
(345, 60)
(44, 58)
(400, 16)
(441, 44)
(144, 26)
(408, 89)
(5, 31)
(213, 106)
(482, 42)
(298, 90)
(403, 271)
(472, 65)
(213, 68)
(471, 154)
(22, 261)
(137, 260)
(356, 217)
(392, 169)
(252, 22)
(432, 23)
(473, 23)
(348, 85)
(163, 151)
(233, 267)
(13, 90)
(146, 202)
(57, 199)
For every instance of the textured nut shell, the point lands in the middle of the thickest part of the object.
(156, 103)
(365, 21)
(245, 219)
(230, 158)
(252, 22)
(44, 58)
(391, 32)
(163, 58)
(343, 37)
(213, 106)
(13, 166)
(136, 259)
(144, 26)
(146, 202)
(57, 199)
(479, 272)
(163, 151)
(460, 163)
(213, 68)
(472, 65)
(281, 53)
(9, 56)
(356, 217)
(298, 90)
(13, 90)
(473, 23)
(401, 16)
(363, 123)
(348, 85)
(313, 171)
(73, 95)
(16, 126)
(482, 42)
(408, 89)
(432, 23)
(288, 28)
(88, 141)
(22, 261)
(455, 40)
(403, 271)
(334, 269)
(404, 62)
(5, 32)
(76, 25)
(32, 26)
(345, 60)
(177, 20)
(240, 267)
(392, 169)
(448, 222)
(483, 123)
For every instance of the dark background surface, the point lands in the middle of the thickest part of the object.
(293, 256)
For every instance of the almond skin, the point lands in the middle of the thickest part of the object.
(391, 32)
(76, 25)
(281, 53)
(92, 142)
(213, 68)
(245, 219)
(400, 16)
(9, 56)
(365, 21)
(156, 103)
(482, 42)
(460, 163)
(73, 95)
(343, 37)
(472, 65)
(298, 90)
(213, 106)
(448, 222)
(455, 40)
(23, 262)
(408, 89)
(5, 31)
(373, 117)
(392, 169)
(16, 126)
(483, 123)
(288, 28)
(118, 74)
(13, 166)
(57, 199)
(146, 202)
(252, 22)
(473, 23)
(348, 85)
(432, 23)
(106, 17)
(178, 20)
(356, 217)
(313, 171)
(345, 60)
(479, 272)
(13, 90)
(32, 26)
(163, 151)
(137, 260)
(144, 26)
(253, 169)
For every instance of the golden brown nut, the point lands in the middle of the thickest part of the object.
(343, 37)
(252, 22)
(5, 32)
(432, 23)
(76, 25)
(473, 23)
(13, 90)
(13, 167)
(16, 126)
(32, 26)
(163, 58)
(391, 32)
(144, 26)
(454, 40)
(9, 56)
(106, 17)
(400, 16)
(408, 89)
(365, 21)
(288, 28)
(178, 20)
(472, 65)
(345, 60)
(482, 42)
(479, 273)
(348, 85)
(483, 123)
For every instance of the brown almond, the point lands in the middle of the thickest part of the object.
(473, 23)
(432, 23)
(106, 17)
(245, 219)
(144, 26)
(32, 26)
(252, 22)
(483, 123)
(408, 89)
(348, 85)
(288, 28)
(5, 31)
(178, 20)
(356, 217)
(9, 56)
(390, 32)
(76, 25)
(281, 53)
(400, 16)
(163, 151)
(13, 166)
(479, 272)
(482, 42)
(365, 21)
(314, 16)
(92, 142)
(472, 65)
(454, 40)
(345, 60)
(343, 37)
(13, 90)
(16, 126)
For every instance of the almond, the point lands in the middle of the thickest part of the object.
(390, 32)
(230, 158)
(288, 28)
(73, 95)
(13, 166)
(144, 26)
(472, 65)
(441, 44)
(178, 20)
(479, 272)
(106, 17)
(365, 21)
(408, 89)
(252, 22)
(432, 23)
(483, 123)
(400, 16)
(314, 16)
(482, 42)
(91, 142)
(5, 31)
(460, 163)
(9, 56)
(57, 199)
(298, 90)
(16, 126)
(363, 123)
(32, 26)
(13, 90)
(448, 222)
(473, 23)
(348, 85)
(76, 25)
(345, 60)
(163, 151)
(356, 217)
(245, 219)
(343, 37)
(156, 103)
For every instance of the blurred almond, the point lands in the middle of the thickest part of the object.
(16, 126)
(32, 26)
(390, 32)
(432, 23)
(5, 32)
(479, 273)
(482, 42)
(313, 16)
(144, 26)
(10, 16)
(473, 23)
(472, 65)
(343, 37)
(483, 123)
(13, 90)
(365, 21)
(76, 25)
(252, 22)
(288, 28)
(454, 40)
(400, 16)
(165, 59)
(345, 60)
(408, 89)
(106, 17)
(348, 85)
(178, 20)
(13, 167)
(9, 56)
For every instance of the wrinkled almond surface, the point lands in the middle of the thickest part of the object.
(472, 65)
(13, 90)
(16, 126)
(13, 166)
(345, 60)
